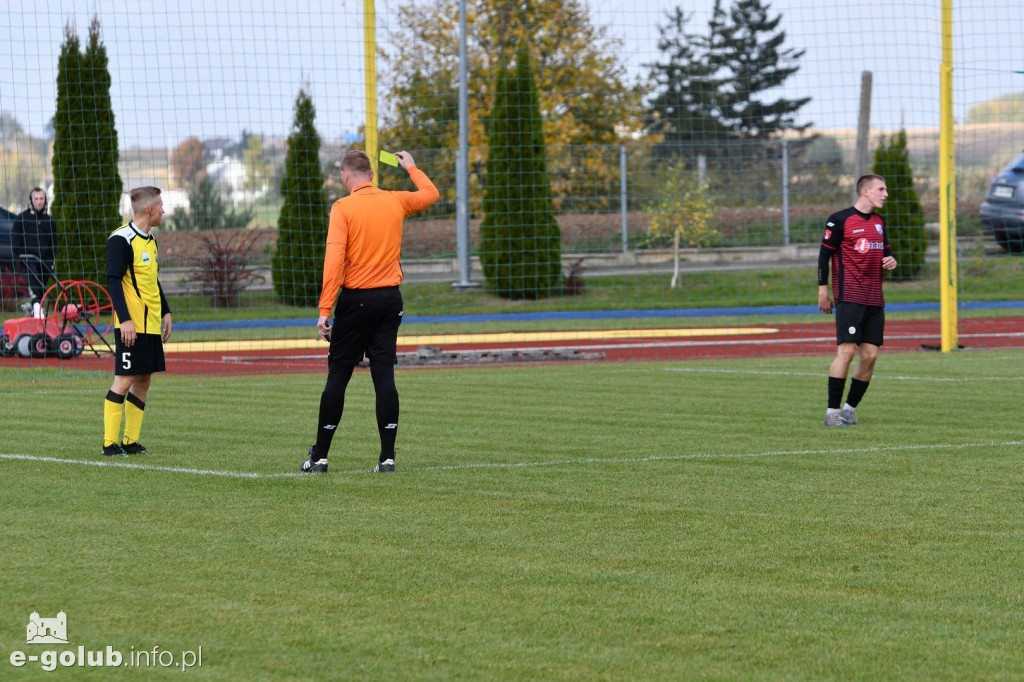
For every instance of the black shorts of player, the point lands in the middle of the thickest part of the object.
(856, 323)
(144, 357)
(366, 323)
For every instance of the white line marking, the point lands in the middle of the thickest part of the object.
(717, 370)
(518, 465)
(712, 456)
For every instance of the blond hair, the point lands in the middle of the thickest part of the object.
(143, 197)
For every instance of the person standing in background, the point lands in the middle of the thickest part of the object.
(34, 233)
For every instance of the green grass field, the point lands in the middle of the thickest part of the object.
(602, 521)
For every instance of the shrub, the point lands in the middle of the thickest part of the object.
(223, 271)
(13, 287)
(685, 208)
(904, 216)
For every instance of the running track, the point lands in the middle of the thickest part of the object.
(624, 344)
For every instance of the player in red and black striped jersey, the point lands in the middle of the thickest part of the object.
(856, 246)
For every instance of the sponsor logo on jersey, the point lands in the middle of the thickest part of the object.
(863, 245)
(858, 230)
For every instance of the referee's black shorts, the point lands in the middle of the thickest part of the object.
(144, 357)
(856, 323)
(366, 323)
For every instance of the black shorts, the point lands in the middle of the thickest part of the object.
(366, 323)
(144, 357)
(856, 323)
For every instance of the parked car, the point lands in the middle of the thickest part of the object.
(1003, 211)
(6, 223)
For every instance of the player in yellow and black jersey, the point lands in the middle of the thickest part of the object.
(142, 320)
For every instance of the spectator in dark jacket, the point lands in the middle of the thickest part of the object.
(35, 232)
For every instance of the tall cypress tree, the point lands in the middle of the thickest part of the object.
(520, 249)
(301, 228)
(904, 216)
(87, 185)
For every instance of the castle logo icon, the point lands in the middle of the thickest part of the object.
(47, 630)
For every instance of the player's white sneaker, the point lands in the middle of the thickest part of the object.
(849, 416)
(835, 419)
(385, 467)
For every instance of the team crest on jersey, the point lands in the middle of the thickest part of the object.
(828, 234)
(145, 258)
(878, 228)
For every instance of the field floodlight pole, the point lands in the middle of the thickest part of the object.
(462, 165)
(947, 190)
(370, 69)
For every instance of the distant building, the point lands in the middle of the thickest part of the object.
(230, 174)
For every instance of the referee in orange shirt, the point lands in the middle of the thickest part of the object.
(364, 247)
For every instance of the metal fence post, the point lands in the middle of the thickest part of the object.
(785, 193)
(623, 198)
(462, 165)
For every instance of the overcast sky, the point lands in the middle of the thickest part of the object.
(214, 67)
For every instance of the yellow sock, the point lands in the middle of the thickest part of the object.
(134, 411)
(113, 406)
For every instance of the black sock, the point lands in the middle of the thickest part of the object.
(383, 374)
(857, 388)
(836, 386)
(332, 404)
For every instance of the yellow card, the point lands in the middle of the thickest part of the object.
(388, 158)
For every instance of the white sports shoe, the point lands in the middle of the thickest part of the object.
(835, 419)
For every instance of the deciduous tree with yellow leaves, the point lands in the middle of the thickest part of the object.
(585, 99)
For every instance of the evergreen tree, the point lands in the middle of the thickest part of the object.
(299, 258)
(87, 185)
(904, 216)
(520, 248)
(746, 48)
(683, 109)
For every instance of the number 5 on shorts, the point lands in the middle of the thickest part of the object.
(126, 360)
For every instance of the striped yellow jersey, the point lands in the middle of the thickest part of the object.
(132, 266)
